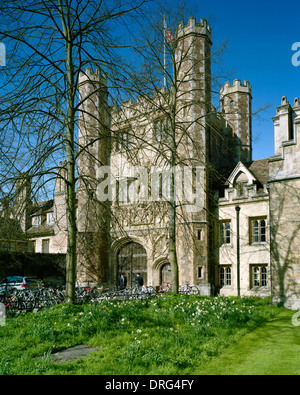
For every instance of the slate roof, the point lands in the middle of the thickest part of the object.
(44, 229)
(260, 169)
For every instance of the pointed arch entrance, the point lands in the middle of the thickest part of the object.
(166, 274)
(132, 259)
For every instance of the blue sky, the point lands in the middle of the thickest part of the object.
(261, 34)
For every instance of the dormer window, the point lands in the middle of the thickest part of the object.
(240, 184)
(36, 220)
(50, 218)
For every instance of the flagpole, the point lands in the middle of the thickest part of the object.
(164, 32)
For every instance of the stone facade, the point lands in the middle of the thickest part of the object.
(243, 236)
(243, 218)
(284, 187)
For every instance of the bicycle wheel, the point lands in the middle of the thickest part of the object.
(194, 290)
(95, 294)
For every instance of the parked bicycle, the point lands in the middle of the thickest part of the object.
(165, 287)
(88, 294)
(189, 289)
(36, 299)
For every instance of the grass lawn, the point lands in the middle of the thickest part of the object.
(271, 349)
(169, 335)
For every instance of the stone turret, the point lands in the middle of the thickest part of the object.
(236, 108)
(94, 151)
(193, 63)
(285, 124)
(93, 142)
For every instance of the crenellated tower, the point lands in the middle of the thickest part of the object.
(193, 73)
(193, 77)
(235, 102)
(94, 146)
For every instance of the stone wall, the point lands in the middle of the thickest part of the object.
(285, 242)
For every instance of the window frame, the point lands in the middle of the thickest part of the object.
(124, 140)
(50, 218)
(31, 246)
(36, 220)
(162, 133)
(258, 276)
(224, 236)
(225, 276)
(258, 235)
(45, 246)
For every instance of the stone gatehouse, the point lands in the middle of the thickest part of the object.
(237, 219)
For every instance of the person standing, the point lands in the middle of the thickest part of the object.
(122, 281)
(138, 281)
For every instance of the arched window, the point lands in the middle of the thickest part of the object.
(259, 276)
(258, 230)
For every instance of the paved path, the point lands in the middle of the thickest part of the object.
(271, 349)
(72, 353)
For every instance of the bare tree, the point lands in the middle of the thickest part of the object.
(50, 42)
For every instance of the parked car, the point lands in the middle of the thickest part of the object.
(19, 282)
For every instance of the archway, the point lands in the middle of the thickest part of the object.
(166, 274)
(132, 259)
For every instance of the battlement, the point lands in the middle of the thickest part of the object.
(89, 76)
(193, 27)
(237, 86)
(141, 105)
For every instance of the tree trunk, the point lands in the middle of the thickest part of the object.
(71, 261)
(172, 202)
